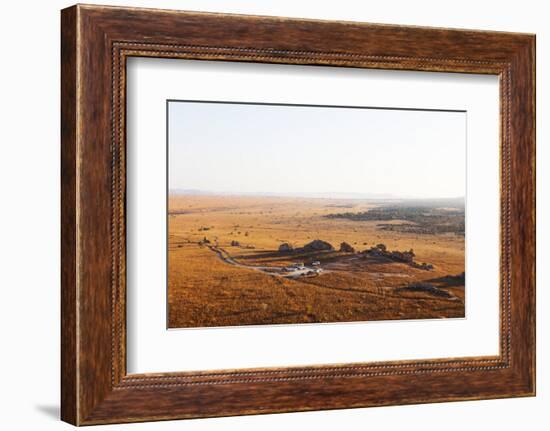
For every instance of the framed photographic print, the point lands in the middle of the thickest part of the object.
(265, 214)
(275, 227)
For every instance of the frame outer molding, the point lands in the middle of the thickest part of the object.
(95, 42)
(69, 331)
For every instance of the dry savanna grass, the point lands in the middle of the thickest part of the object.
(223, 251)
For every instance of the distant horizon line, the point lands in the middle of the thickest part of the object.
(313, 195)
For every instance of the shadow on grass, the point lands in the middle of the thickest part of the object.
(448, 280)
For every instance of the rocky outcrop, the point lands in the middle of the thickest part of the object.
(346, 248)
(311, 247)
(285, 247)
(397, 256)
(380, 247)
(424, 266)
(402, 256)
(317, 245)
(427, 288)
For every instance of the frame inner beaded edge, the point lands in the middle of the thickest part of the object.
(122, 50)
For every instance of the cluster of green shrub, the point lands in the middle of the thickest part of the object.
(421, 219)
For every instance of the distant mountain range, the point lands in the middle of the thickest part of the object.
(318, 195)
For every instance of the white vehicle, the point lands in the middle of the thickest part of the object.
(316, 263)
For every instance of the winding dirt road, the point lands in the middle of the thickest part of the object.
(271, 270)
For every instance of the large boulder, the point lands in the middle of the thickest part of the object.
(381, 247)
(318, 245)
(402, 256)
(285, 247)
(346, 248)
(377, 250)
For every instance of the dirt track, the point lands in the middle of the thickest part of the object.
(276, 271)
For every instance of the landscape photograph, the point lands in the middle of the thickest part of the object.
(293, 214)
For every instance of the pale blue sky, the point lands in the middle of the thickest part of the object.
(238, 148)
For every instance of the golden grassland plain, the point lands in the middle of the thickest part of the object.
(221, 251)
